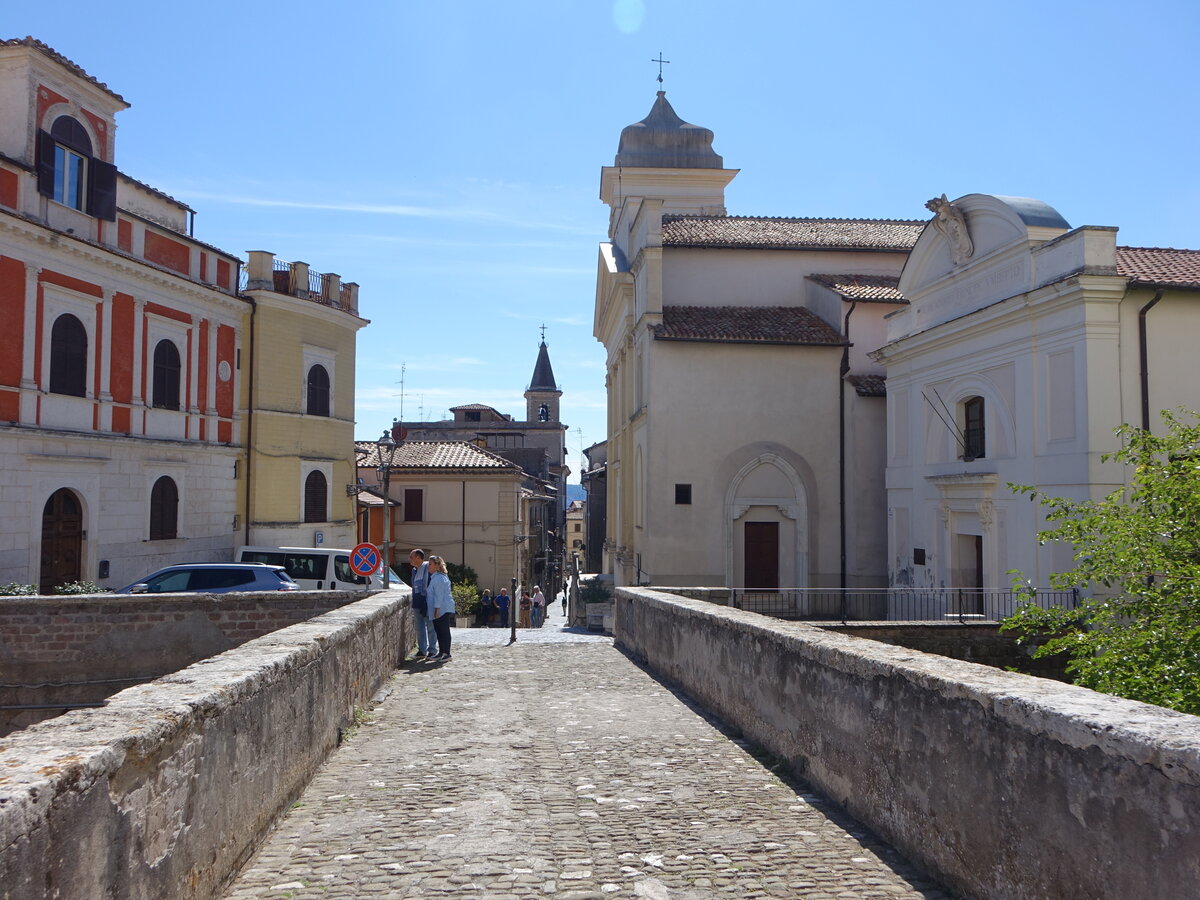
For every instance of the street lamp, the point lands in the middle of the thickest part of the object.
(387, 452)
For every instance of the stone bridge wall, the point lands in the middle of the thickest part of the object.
(1002, 785)
(82, 649)
(165, 791)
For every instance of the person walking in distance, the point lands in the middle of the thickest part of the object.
(441, 605)
(502, 607)
(526, 610)
(539, 606)
(426, 636)
(486, 607)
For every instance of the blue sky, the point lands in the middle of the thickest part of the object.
(446, 156)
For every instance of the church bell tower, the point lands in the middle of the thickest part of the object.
(541, 399)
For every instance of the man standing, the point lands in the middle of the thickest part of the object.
(426, 636)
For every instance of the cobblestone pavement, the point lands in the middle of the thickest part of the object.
(557, 768)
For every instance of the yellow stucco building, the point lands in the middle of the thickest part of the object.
(300, 402)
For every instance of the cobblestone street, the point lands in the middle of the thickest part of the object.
(559, 768)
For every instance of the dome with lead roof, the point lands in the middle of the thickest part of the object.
(662, 140)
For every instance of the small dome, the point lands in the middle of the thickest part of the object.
(662, 140)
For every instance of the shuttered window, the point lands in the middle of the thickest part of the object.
(166, 375)
(68, 357)
(318, 391)
(69, 173)
(316, 494)
(164, 510)
(414, 505)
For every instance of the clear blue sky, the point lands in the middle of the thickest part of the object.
(446, 155)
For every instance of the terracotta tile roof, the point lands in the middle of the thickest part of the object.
(869, 385)
(864, 288)
(1160, 266)
(474, 406)
(30, 41)
(746, 324)
(433, 455)
(761, 232)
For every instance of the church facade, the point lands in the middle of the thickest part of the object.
(1024, 345)
(745, 420)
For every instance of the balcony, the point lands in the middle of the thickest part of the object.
(266, 273)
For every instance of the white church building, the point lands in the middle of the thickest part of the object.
(745, 418)
(1024, 345)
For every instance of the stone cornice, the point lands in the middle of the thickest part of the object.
(115, 260)
(286, 303)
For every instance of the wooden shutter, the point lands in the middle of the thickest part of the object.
(102, 189)
(414, 505)
(45, 163)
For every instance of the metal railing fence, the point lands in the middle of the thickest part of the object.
(964, 605)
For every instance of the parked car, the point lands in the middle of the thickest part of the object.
(317, 568)
(213, 578)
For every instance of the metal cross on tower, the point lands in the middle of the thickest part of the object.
(543, 334)
(661, 62)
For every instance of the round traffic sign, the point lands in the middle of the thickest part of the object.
(365, 559)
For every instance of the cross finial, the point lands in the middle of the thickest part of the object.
(661, 62)
(543, 334)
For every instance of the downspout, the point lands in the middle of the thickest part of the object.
(249, 421)
(843, 371)
(1143, 359)
(462, 551)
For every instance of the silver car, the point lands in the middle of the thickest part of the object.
(213, 578)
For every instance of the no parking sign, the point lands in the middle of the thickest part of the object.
(365, 559)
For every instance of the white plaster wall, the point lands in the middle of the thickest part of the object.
(708, 277)
(112, 477)
(712, 412)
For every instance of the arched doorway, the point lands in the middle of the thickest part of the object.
(62, 540)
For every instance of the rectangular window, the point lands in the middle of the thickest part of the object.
(414, 505)
(683, 494)
(69, 170)
(973, 429)
(472, 415)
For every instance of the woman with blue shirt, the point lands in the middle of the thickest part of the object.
(441, 605)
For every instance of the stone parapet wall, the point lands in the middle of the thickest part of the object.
(165, 791)
(1003, 785)
(66, 650)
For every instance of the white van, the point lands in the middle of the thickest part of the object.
(317, 568)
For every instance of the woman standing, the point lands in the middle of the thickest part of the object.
(441, 605)
(526, 609)
(486, 607)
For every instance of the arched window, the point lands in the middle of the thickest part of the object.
(318, 391)
(164, 510)
(166, 375)
(68, 357)
(316, 503)
(543, 413)
(72, 151)
(68, 172)
(975, 445)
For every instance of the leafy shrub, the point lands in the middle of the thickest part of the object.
(462, 574)
(594, 591)
(80, 587)
(466, 599)
(12, 589)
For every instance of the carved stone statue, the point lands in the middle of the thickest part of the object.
(949, 220)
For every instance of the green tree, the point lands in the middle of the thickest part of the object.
(1140, 547)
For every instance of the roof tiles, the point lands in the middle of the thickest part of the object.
(1160, 266)
(433, 455)
(30, 41)
(746, 324)
(760, 232)
(864, 288)
(869, 385)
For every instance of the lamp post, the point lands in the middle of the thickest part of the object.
(387, 452)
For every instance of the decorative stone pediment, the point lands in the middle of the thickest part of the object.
(976, 251)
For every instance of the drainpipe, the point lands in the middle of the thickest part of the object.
(843, 371)
(1143, 355)
(249, 421)
(462, 551)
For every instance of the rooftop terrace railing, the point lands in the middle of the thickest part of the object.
(965, 605)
